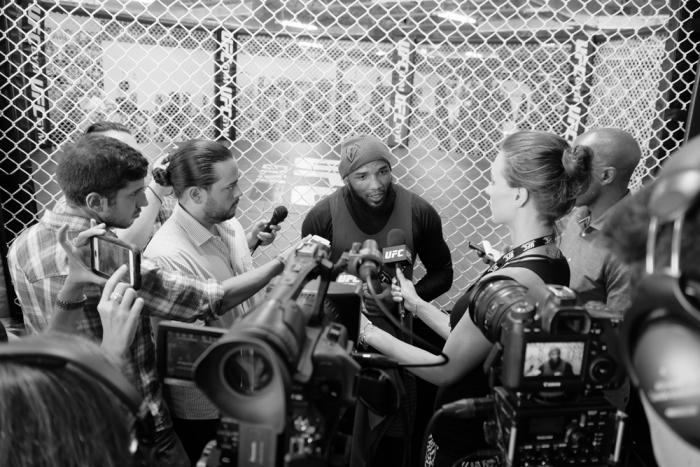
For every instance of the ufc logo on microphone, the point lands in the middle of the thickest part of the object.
(394, 253)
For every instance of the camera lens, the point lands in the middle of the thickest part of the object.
(247, 369)
(493, 301)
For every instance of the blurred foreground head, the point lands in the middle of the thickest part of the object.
(55, 411)
(656, 232)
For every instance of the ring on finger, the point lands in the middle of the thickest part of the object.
(116, 296)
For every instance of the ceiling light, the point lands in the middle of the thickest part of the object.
(289, 23)
(456, 17)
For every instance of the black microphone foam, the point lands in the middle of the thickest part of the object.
(278, 215)
(396, 237)
(370, 263)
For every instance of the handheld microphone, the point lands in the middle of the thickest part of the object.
(278, 215)
(397, 252)
(398, 255)
(369, 264)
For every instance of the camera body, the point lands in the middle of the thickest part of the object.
(552, 363)
(584, 344)
(583, 433)
(282, 375)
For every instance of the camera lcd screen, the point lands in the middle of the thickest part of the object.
(554, 360)
(544, 426)
(183, 348)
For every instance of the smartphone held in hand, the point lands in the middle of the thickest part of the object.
(109, 253)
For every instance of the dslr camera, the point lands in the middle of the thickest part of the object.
(553, 363)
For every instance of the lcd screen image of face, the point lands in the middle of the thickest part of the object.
(553, 359)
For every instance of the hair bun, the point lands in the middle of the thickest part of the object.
(576, 158)
(577, 162)
(161, 176)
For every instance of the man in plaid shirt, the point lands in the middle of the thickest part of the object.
(103, 179)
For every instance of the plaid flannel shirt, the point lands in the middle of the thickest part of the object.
(38, 267)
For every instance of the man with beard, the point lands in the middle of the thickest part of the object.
(203, 238)
(555, 366)
(102, 180)
(369, 206)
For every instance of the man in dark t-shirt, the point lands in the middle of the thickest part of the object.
(368, 207)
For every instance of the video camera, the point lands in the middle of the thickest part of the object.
(284, 374)
(551, 364)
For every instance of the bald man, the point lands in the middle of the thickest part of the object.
(596, 273)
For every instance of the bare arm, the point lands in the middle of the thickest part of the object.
(466, 347)
(243, 286)
(405, 291)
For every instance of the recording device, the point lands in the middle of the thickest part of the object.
(283, 375)
(363, 260)
(109, 253)
(551, 361)
(179, 346)
(278, 215)
(398, 255)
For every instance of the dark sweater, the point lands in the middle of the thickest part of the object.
(429, 243)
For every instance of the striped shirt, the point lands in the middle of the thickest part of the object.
(38, 267)
(183, 244)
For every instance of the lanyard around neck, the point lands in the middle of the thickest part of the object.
(519, 250)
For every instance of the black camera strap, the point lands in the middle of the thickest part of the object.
(519, 250)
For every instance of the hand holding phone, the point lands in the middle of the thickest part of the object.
(109, 253)
(76, 251)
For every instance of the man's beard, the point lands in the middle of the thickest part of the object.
(216, 215)
(376, 208)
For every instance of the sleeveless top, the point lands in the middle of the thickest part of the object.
(346, 231)
(467, 435)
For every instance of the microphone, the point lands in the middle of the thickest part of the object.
(397, 254)
(368, 264)
(278, 215)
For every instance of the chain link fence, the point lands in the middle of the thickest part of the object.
(284, 82)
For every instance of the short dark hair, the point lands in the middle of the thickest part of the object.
(103, 126)
(192, 164)
(99, 164)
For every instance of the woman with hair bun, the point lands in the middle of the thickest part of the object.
(535, 180)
